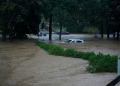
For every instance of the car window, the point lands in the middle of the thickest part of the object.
(68, 40)
(79, 41)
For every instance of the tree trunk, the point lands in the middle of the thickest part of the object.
(114, 33)
(60, 32)
(3, 27)
(10, 29)
(101, 22)
(118, 32)
(107, 28)
(101, 29)
(50, 27)
(18, 31)
(10, 34)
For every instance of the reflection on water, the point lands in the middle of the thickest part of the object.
(103, 45)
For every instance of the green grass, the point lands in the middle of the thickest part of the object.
(58, 28)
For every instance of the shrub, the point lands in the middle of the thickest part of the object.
(48, 47)
(103, 63)
(78, 54)
(44, 45)
(56, 50)
(86, 55)
(68, 52)
(90, 69)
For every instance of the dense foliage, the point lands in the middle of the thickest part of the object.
(56, 50)
(23, 16)
(100, 63)
(92, 30)
(69, 52)
(97, 62)
(20, 17)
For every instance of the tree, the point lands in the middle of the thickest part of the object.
(5, 8)
(87, 15)
(61, 10)
(47, 6)
(114, 15)
(21, 17)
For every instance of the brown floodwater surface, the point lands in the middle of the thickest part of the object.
(22, 63)
(104, 45)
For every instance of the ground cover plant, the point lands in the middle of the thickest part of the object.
(56, 50)
(102, 63)
(86, 55)
(97, 62)
(68, 52)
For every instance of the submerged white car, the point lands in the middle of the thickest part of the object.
(74, 41)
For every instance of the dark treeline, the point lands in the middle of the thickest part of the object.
(20, 17)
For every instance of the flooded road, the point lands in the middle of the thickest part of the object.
(106, 46)
(22, 63)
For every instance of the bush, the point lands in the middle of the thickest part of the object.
(48, 47)
(90, 69)
(44, 45)
(86, 55)
(78, 54)
(103, 63)
(56, 50)
(68, 52)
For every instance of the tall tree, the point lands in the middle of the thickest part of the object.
(22, 16)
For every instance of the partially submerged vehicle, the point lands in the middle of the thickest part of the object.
(62, 32)
(74, 41)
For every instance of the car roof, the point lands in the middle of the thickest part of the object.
(74, 39)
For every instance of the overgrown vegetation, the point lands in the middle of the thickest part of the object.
(92, 30)
(56, 50)
(97, 62)
(103, 63)
(68, 52)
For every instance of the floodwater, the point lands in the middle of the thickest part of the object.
(22, 63)
(104, 45)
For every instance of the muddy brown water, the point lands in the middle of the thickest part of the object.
(106, 46)
(22, 63)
